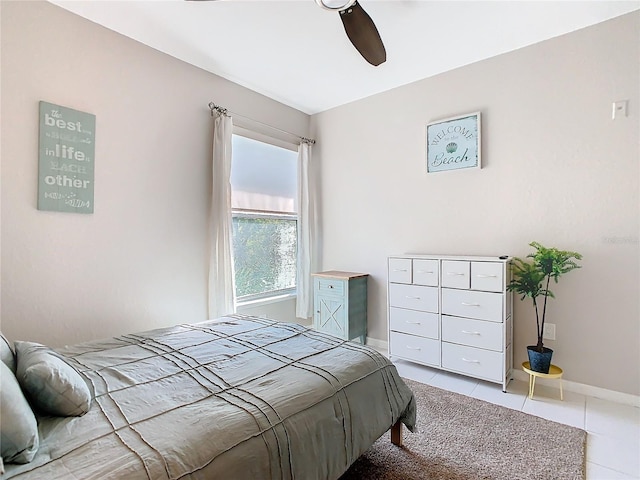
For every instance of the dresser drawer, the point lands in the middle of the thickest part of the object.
(414, 297)
(413, 322)
(418, 349)
(473, 333)
(400, 270)
(332, 286)
(487, 276)
(425, 272)
(473, 361)
(455, 274)
(471, 304)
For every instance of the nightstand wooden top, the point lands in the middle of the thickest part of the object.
(339, 274)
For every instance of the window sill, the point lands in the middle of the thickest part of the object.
(267, 300)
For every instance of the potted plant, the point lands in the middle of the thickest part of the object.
(531, 279)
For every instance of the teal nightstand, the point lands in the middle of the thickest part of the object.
(340, 304)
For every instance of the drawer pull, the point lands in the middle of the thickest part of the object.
(330, 286)
(470, 333)
(412, 298)
(485, 276)
(456, 273)
(470, 361)
(470, 304)
(413, 323)
(413, 348)
(400, 270)
(427, 272)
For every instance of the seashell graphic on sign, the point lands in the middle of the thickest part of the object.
(451, 147)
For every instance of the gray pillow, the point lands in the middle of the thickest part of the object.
(19, 430)
(52, 385)
(7, 354)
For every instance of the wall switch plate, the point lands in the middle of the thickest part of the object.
(619, 109)
(549, 332)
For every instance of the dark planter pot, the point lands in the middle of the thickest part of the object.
(539, 362)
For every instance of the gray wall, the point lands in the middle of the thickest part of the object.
(556, 169)
(140, 261)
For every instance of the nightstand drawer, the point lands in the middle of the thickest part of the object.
(413, 322)
(414, 297)
(473, 333)
(331, 286)
(473, 361)
(471, 304)
(400, 270)
(487, 276)
(418, 349)
(455, 274)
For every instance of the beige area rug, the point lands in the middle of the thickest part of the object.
(463, 438)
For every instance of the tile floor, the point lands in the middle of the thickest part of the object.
(613, 429)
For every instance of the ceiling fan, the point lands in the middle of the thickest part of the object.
(359, 28)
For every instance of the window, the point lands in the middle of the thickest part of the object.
(265, 220)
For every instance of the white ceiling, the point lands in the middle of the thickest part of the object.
(297, 53)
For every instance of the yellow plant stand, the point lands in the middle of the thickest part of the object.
(555, 372)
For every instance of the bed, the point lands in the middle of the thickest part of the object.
(236, 398)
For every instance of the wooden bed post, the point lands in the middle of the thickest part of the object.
(396, 433)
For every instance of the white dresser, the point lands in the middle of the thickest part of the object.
(453, 313)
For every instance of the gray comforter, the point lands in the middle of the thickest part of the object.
(234, 398)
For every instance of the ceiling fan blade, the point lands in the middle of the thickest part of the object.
(363, 34)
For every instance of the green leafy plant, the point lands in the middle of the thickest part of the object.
(531, 278)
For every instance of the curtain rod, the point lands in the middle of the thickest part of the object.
(223, 111)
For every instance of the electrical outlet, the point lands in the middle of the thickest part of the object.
(549, 332)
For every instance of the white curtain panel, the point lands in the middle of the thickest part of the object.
(306, 233)
(221, 281)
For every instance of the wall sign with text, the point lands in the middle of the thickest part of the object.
(66, 159)
(454, 143)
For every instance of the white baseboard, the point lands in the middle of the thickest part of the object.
(589, 390)
(379, 345)
(569, 386)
